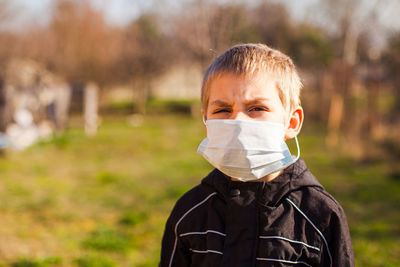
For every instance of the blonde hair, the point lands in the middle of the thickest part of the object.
(250, 59)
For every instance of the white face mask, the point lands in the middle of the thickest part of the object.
(246, 150)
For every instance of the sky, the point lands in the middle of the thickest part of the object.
(38, 12)
(117, 12)
(121, 12)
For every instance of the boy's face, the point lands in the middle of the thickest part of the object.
(252, 97)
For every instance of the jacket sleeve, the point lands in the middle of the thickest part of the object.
(339, 242)
(173, 251)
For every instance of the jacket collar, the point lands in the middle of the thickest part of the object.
(270, 193)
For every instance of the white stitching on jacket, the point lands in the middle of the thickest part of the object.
(289, 240)
(313, 225)
(207, 251)
(285, 261)
(203, 233)
(183, 216)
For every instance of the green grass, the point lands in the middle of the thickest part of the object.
(103, 201)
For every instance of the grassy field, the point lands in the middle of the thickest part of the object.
(103, 201)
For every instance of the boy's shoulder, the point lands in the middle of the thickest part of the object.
(309, 198)
(307, 192)
(191, 200)
(318, 205)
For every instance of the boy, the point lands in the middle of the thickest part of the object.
(260, 206)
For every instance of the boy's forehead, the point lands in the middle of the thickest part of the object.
(251, 88)
(261, 83)
(249, 77)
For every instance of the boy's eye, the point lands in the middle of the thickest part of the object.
(221, 110)
(258, 109)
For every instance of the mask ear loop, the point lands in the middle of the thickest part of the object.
(204, 120)
(298, 148)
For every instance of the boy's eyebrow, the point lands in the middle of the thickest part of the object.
(220, 103)
(256, 100)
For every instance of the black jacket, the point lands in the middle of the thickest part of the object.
(290, 221)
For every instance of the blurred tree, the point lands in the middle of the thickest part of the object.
(194, 38)
(80, 44)
(354, 26)
(216, 28)
(144, 53)
(219, 26)
(348, 19)
(4, 55)
(273, 25)
(313, 53)
(230, 24)
(310, 47)
(77, 45)
(142, 49)
(391, 60)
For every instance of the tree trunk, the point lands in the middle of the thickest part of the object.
(63, 100)
(373, 121)
(335, 119)
(342, 79)
(91, 109)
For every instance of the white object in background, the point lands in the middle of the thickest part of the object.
(24, 132)
(23, 117)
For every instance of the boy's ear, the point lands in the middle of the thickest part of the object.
(295, 122)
